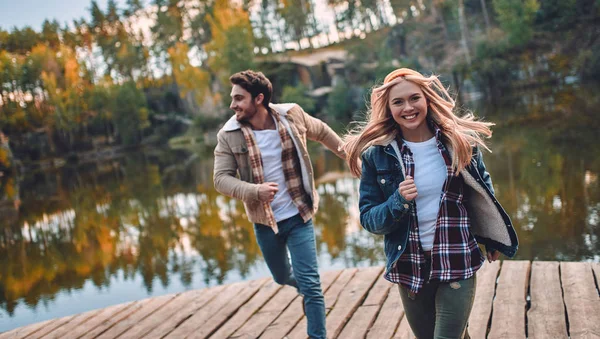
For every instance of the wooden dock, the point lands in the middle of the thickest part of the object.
(515, 299)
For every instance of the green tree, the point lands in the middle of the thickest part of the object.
(516, 18)
(130, 112)
(341, 103)
(232, 46)
(298, 95)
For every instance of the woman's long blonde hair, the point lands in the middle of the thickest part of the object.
(459, 133)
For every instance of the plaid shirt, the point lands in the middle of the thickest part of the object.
(291, 170)
(455, 254)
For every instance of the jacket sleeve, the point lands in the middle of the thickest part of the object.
(225, 171)
(487, 180)
(379, 215)
(319, 131)
(485, 175)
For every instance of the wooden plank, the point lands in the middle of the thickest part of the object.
(57, 324)
(388, 318)
(404, 330)
(147, 309)
(109, 322)
(365, 315)
(359, 323)
(289, 318)
(260, 320)
(508, 319)
(215, 317)
(350, 298)
(246, 311)
(271, 311)
(378, 293)
(484, 296)
(546, 317)
(68, 327)
(170, 310)
(22, 332)
(194, 304)
(581, 299)
(332, 294)
(299, 331)
(205, 312)
(596, 269)
(97, 320)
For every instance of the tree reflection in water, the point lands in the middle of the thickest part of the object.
(156, 215)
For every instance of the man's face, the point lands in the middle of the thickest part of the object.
(242, 103)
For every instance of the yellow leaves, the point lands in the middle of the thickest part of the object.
(4, 160)
(230, 25)
(190, 79)
(71, 72)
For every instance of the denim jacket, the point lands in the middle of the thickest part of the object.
(383, 210)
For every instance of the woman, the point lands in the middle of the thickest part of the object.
(425, 187)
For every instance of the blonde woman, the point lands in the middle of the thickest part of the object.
(424, 186)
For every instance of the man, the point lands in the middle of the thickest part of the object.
(265, 144)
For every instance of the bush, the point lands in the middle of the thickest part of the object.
(298, 95)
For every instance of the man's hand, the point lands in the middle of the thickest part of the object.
(266, 191)
(408, 189)
(492, 256)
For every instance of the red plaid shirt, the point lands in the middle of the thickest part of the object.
(455, 254)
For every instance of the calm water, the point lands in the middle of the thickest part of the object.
(151, 223)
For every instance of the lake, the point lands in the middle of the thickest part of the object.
(150, 223)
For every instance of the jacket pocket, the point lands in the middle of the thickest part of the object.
(388, 181)
(242, 158)
(241, 155)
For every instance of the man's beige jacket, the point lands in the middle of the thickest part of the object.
(232, 172)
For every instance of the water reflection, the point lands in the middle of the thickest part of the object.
(153, 218)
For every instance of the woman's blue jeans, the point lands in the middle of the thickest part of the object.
(298, 237)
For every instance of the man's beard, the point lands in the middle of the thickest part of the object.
(247, 114)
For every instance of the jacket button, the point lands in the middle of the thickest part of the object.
(406, 206)
(399, 247)
(383, 181)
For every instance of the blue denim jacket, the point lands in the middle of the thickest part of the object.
(383, 210)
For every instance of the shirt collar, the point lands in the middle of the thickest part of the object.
(437, 132)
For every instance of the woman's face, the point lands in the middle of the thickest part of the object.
(409, 109)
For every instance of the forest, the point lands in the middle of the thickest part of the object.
(144, 72)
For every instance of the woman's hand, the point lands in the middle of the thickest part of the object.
(492, 256)
(408, 189)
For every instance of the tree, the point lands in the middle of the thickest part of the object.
(130, 112)
(232, 46)
(189, 79)
(516, 18)
(298, 95)
(50, 32)
(296, 15)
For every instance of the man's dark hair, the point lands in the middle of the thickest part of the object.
(255, 83)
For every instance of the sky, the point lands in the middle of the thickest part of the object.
(32, 13)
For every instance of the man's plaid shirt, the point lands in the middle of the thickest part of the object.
(291, 170)
(455, 254)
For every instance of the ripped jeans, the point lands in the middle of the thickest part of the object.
(441, 309)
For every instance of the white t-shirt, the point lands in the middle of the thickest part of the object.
(430, 175)
(269, 143)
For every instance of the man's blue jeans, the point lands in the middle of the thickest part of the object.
(299, 237)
